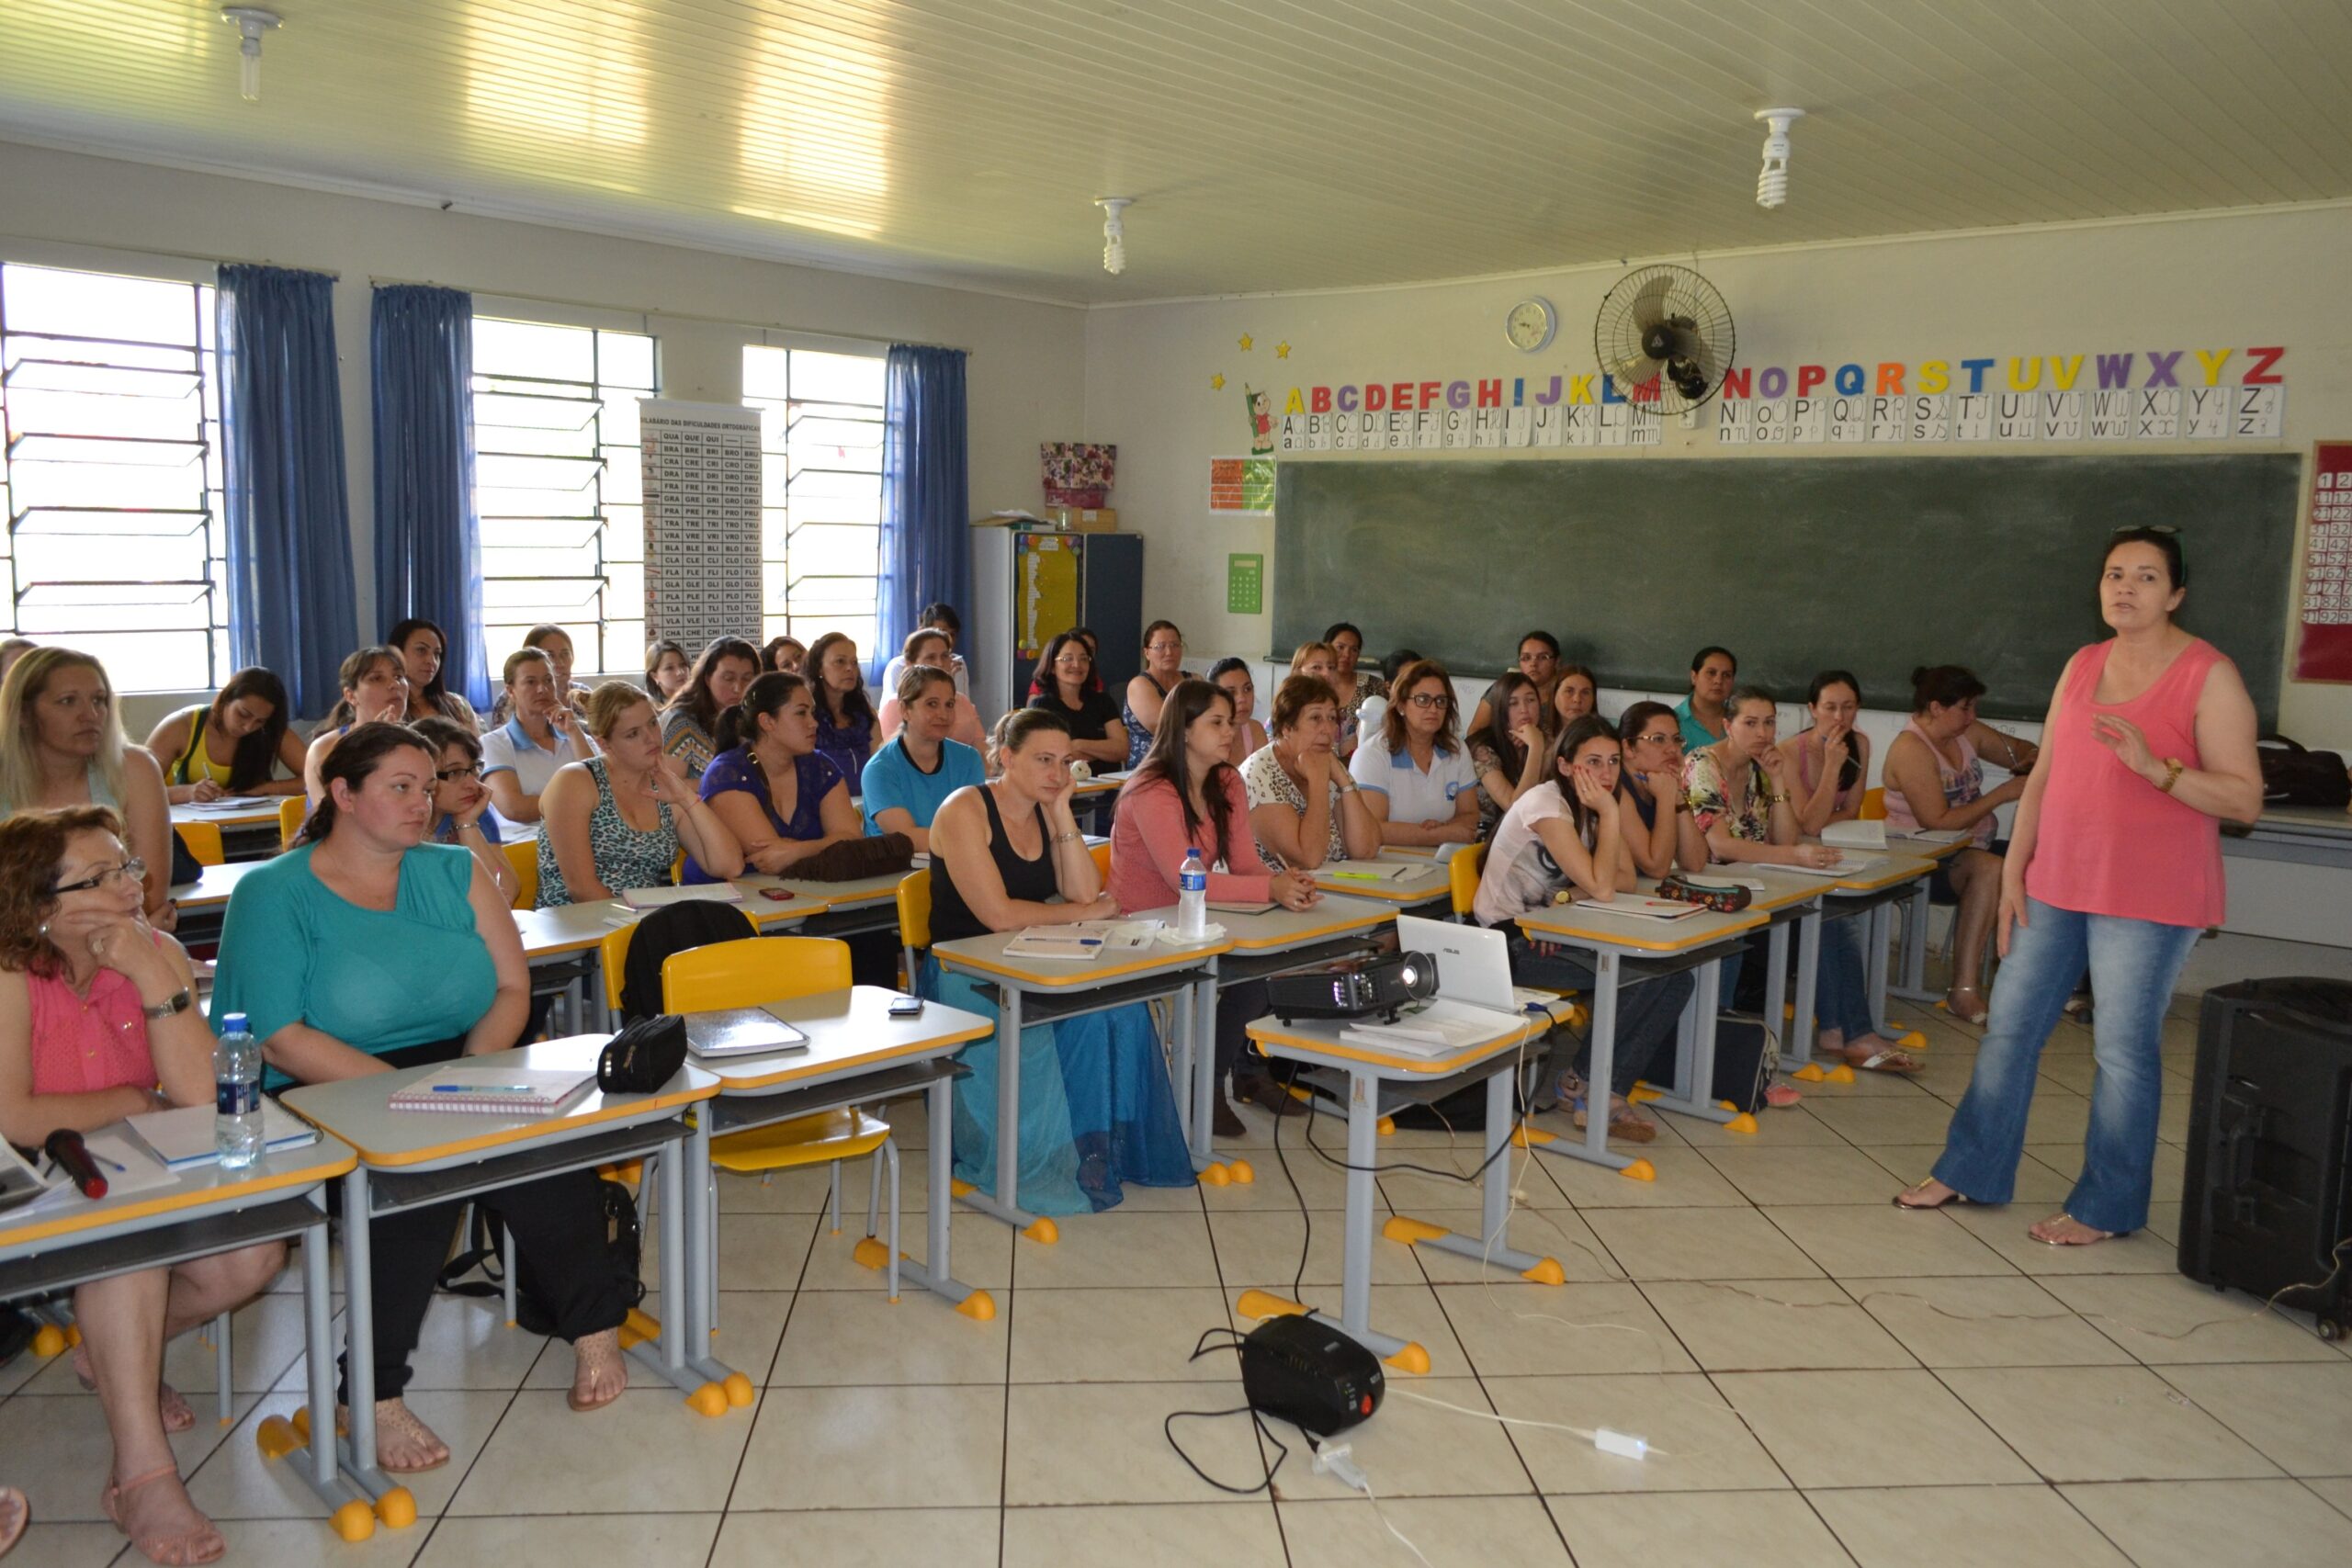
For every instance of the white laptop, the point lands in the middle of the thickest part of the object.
(1473, 963)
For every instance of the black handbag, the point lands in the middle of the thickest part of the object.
(643, 1056)
(2293, 775)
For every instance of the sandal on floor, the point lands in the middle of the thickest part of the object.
(15, 1515)
(1946, 1201)
(203, 1543)
(1780, 1095)
(393, 1413)
(608, 1345)
(1893, 1059)
(1967, 1005)
(2092, 1238)
(1626, 1123)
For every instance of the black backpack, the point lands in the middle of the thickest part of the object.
(673, 928)
(624, 1242)
(2293, 774)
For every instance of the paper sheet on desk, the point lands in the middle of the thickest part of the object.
(114, 1146)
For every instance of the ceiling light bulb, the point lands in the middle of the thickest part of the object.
(1773, 183)
(251, 22)
(1114, 233)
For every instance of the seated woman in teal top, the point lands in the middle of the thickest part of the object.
(919, 767)
(363, 950)
(1702, 716)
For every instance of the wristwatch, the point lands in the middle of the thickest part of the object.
(178, 1002)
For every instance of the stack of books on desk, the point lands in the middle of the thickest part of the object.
(495, 1091)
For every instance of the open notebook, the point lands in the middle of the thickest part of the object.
(495, 1091)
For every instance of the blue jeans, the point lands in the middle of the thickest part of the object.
(1841, 988)
(1642, 1045)
(2133, 965)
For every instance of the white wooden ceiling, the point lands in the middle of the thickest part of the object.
(1271, 145)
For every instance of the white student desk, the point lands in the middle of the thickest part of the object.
(830, 908)
(206, 1210)
(1377, 1082)
(2290, 876)
(857, 1054)
(1426, 880)
(1048, 990)
(1275, 942)
(213, 885)
(410, 1158)
(1661, 947)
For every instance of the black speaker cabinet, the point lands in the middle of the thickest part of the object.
(2267, 1203)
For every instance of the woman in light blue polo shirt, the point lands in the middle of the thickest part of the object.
(1416, 776)
(1702, 714)
(920, 766)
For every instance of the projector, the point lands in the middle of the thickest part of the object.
(1309, 1374)
(1354, 988)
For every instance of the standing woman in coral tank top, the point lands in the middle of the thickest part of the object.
(2115, 862)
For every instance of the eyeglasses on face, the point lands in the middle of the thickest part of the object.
(1672, 738)
(470, 771)
(134, 869)
(1427, 699)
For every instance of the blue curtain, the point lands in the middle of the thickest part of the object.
(926, 501)
(428, 535)
(292, 607)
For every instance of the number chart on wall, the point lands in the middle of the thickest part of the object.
(702, 520)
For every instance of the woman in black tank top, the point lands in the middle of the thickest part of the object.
(1096, 1106)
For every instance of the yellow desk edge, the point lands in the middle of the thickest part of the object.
(814, 1069)
(1321, 934)
(1033, 981)
(166, 1202)
(1537, 923)
(526, 1132)
(1421, 1066)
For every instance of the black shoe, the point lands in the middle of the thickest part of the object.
(1265, 1093)
(1225, 1122)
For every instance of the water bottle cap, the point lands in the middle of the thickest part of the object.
(1195, 849)
(232, 1023)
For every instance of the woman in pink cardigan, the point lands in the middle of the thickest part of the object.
(1160, 817)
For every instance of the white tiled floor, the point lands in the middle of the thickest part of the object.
(1824, 1381)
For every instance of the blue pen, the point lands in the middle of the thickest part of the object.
(110, 1164)
(481, 1088)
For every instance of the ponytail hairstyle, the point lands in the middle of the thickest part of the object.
(764, 698)
(1591, 727)
(354, 759)
(609, 704)
(255, 757)
(1852, 774)
(1187, 700)
(1013, 730)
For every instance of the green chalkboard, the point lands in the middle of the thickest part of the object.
(1874, 565)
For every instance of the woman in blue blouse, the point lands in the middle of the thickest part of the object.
(322, 951)
(919, 767)
(781, 800)
(844, 717)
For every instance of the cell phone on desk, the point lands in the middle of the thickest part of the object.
(906, 1007)
(778, 894)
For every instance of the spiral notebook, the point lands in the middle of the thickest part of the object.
(495, 1091)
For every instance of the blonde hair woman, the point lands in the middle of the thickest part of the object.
(62, 744)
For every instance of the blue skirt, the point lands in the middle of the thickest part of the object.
(1097, 1109)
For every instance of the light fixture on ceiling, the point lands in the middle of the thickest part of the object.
(1114, 233)
(1772, 184)
(251, 22)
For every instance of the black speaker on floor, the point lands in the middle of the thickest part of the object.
(2267, 1203)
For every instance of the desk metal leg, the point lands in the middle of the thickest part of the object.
(1802, 1030)
(1201, 1015)
(359, 1339)
(1491, 1246)
(1593, 1144)
(1875, 932)
(1694, 1091)
(936, 1272)
(1776, 992)
(353, 1513)
(1004, 1202)
(681, 1354)
(1913, 987)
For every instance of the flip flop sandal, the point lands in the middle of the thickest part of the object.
(203, 1543)
(1894, 1059)
(2096, 1237)
(1780, 1096)
(410, 1426)
(1946, 1201)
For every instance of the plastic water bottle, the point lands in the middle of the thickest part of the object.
(1192, 897)
(236, 1087)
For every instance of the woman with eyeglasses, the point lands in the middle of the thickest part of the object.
(1420, 782)
(463, 801)
(1163, 660)
(2114, 865)
(98, 1022)
(1658, 832)
(327, 950)
(233, 745)
(1232, 677)
(62, 744)
(1934, 782)
(1509, 753)
(1563, 837)
(1097, 735)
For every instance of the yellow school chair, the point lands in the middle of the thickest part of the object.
(914, 922)
(1874, 804)
(523, 854)
(290, 812)
(752, 972)
(203, 841)
(1102, 854)
(1461, 872)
